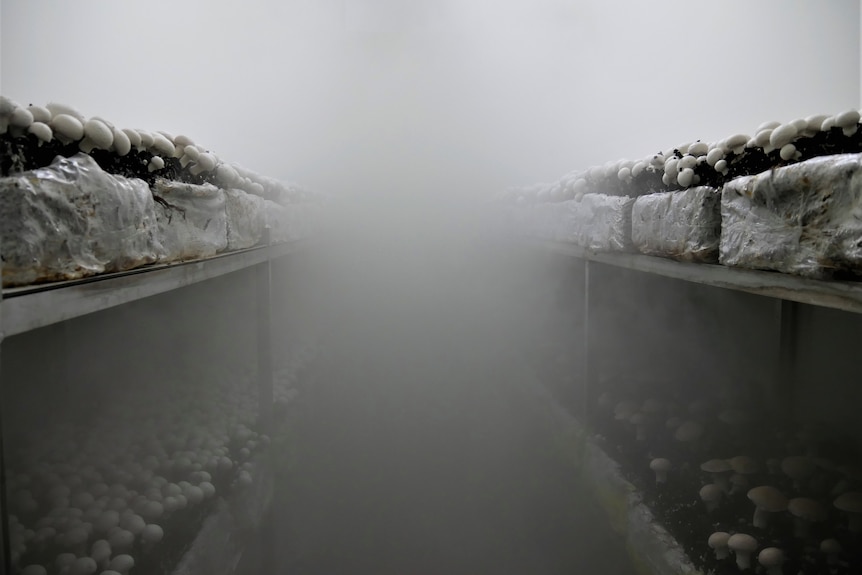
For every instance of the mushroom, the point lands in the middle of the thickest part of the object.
(711, 495)
(742, 466)
(34, 570)
(101, 553)
(718, 543)
(832, 549)
(152, 533)
(660, 466)
(718, 469)
(743, 545)
(122, 564)
(96, 135)
(736, 143)
(848, 121)
(155, 164)
(766, 499)
(42, 131)
(851, 504)
(782, 135)
(66, 128)
(805, 512)
(771, 558)
(639, 420)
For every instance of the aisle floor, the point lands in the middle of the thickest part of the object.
(430, 459)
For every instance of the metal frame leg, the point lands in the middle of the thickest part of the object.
(263, 273)
(587, 367)
(785, 370)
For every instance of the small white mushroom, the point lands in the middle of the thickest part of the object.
(771, 558)
(788, 152)
(40, 113)
(162, 146)
(766, 499)
(721, 166)
(96, 135)
(718, 543)
(67, 128)
(57, 109)
(206, 162)
(686, 177)
(122, 145)
(832, 549)
(660, 466)
(783, 135)
(736, 143)
(848, 122)
(156, 163)
(122, 563)
(714, 155)
(134, 138)
(42, 131)
(743, 545)
(851, 504)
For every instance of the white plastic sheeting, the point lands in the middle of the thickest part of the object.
(246, 219)
(71, 220)
(684, 225)
(597, 222)
(803, 219)
(192, 219)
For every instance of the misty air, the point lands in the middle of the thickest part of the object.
(430, 288)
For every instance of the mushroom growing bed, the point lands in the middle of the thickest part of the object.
(719, 464)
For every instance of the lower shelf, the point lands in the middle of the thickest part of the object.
(652, 549)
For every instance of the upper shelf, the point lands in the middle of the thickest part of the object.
(30, 307)
(841, 295)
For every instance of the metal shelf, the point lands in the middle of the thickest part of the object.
(842, 295)
(32, 307)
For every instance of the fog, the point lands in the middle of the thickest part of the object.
(409, 115)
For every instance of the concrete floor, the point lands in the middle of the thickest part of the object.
(430, 459)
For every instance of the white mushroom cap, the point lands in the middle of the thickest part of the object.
(42, 131)
(40, 113)
(152, 533)
(771, 558)
(156, 163)
(122, 563)
(736, 143)
(96, 135)
(743, 545)
(67, 128)
(83, 566)
(847, 121)
(768, 126)
(832, 548)
(805, 511)
(782, 135)
(851, 504)
(162, 145)
(56, 109)
(134, 137)
(767, 499)
(718, 543)
(121, 144)
(147, 138)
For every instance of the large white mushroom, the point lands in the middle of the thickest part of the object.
(97, 134)
(767, 499)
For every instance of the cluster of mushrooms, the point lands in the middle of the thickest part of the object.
(285, 379)
(104, 495)
(787, 502)
(33, 135)
(704, 163)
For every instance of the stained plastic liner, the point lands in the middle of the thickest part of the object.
(192, 219)
(684, 225)
(71, 220)
(803, 219)
(246, 219)
(597, 222)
